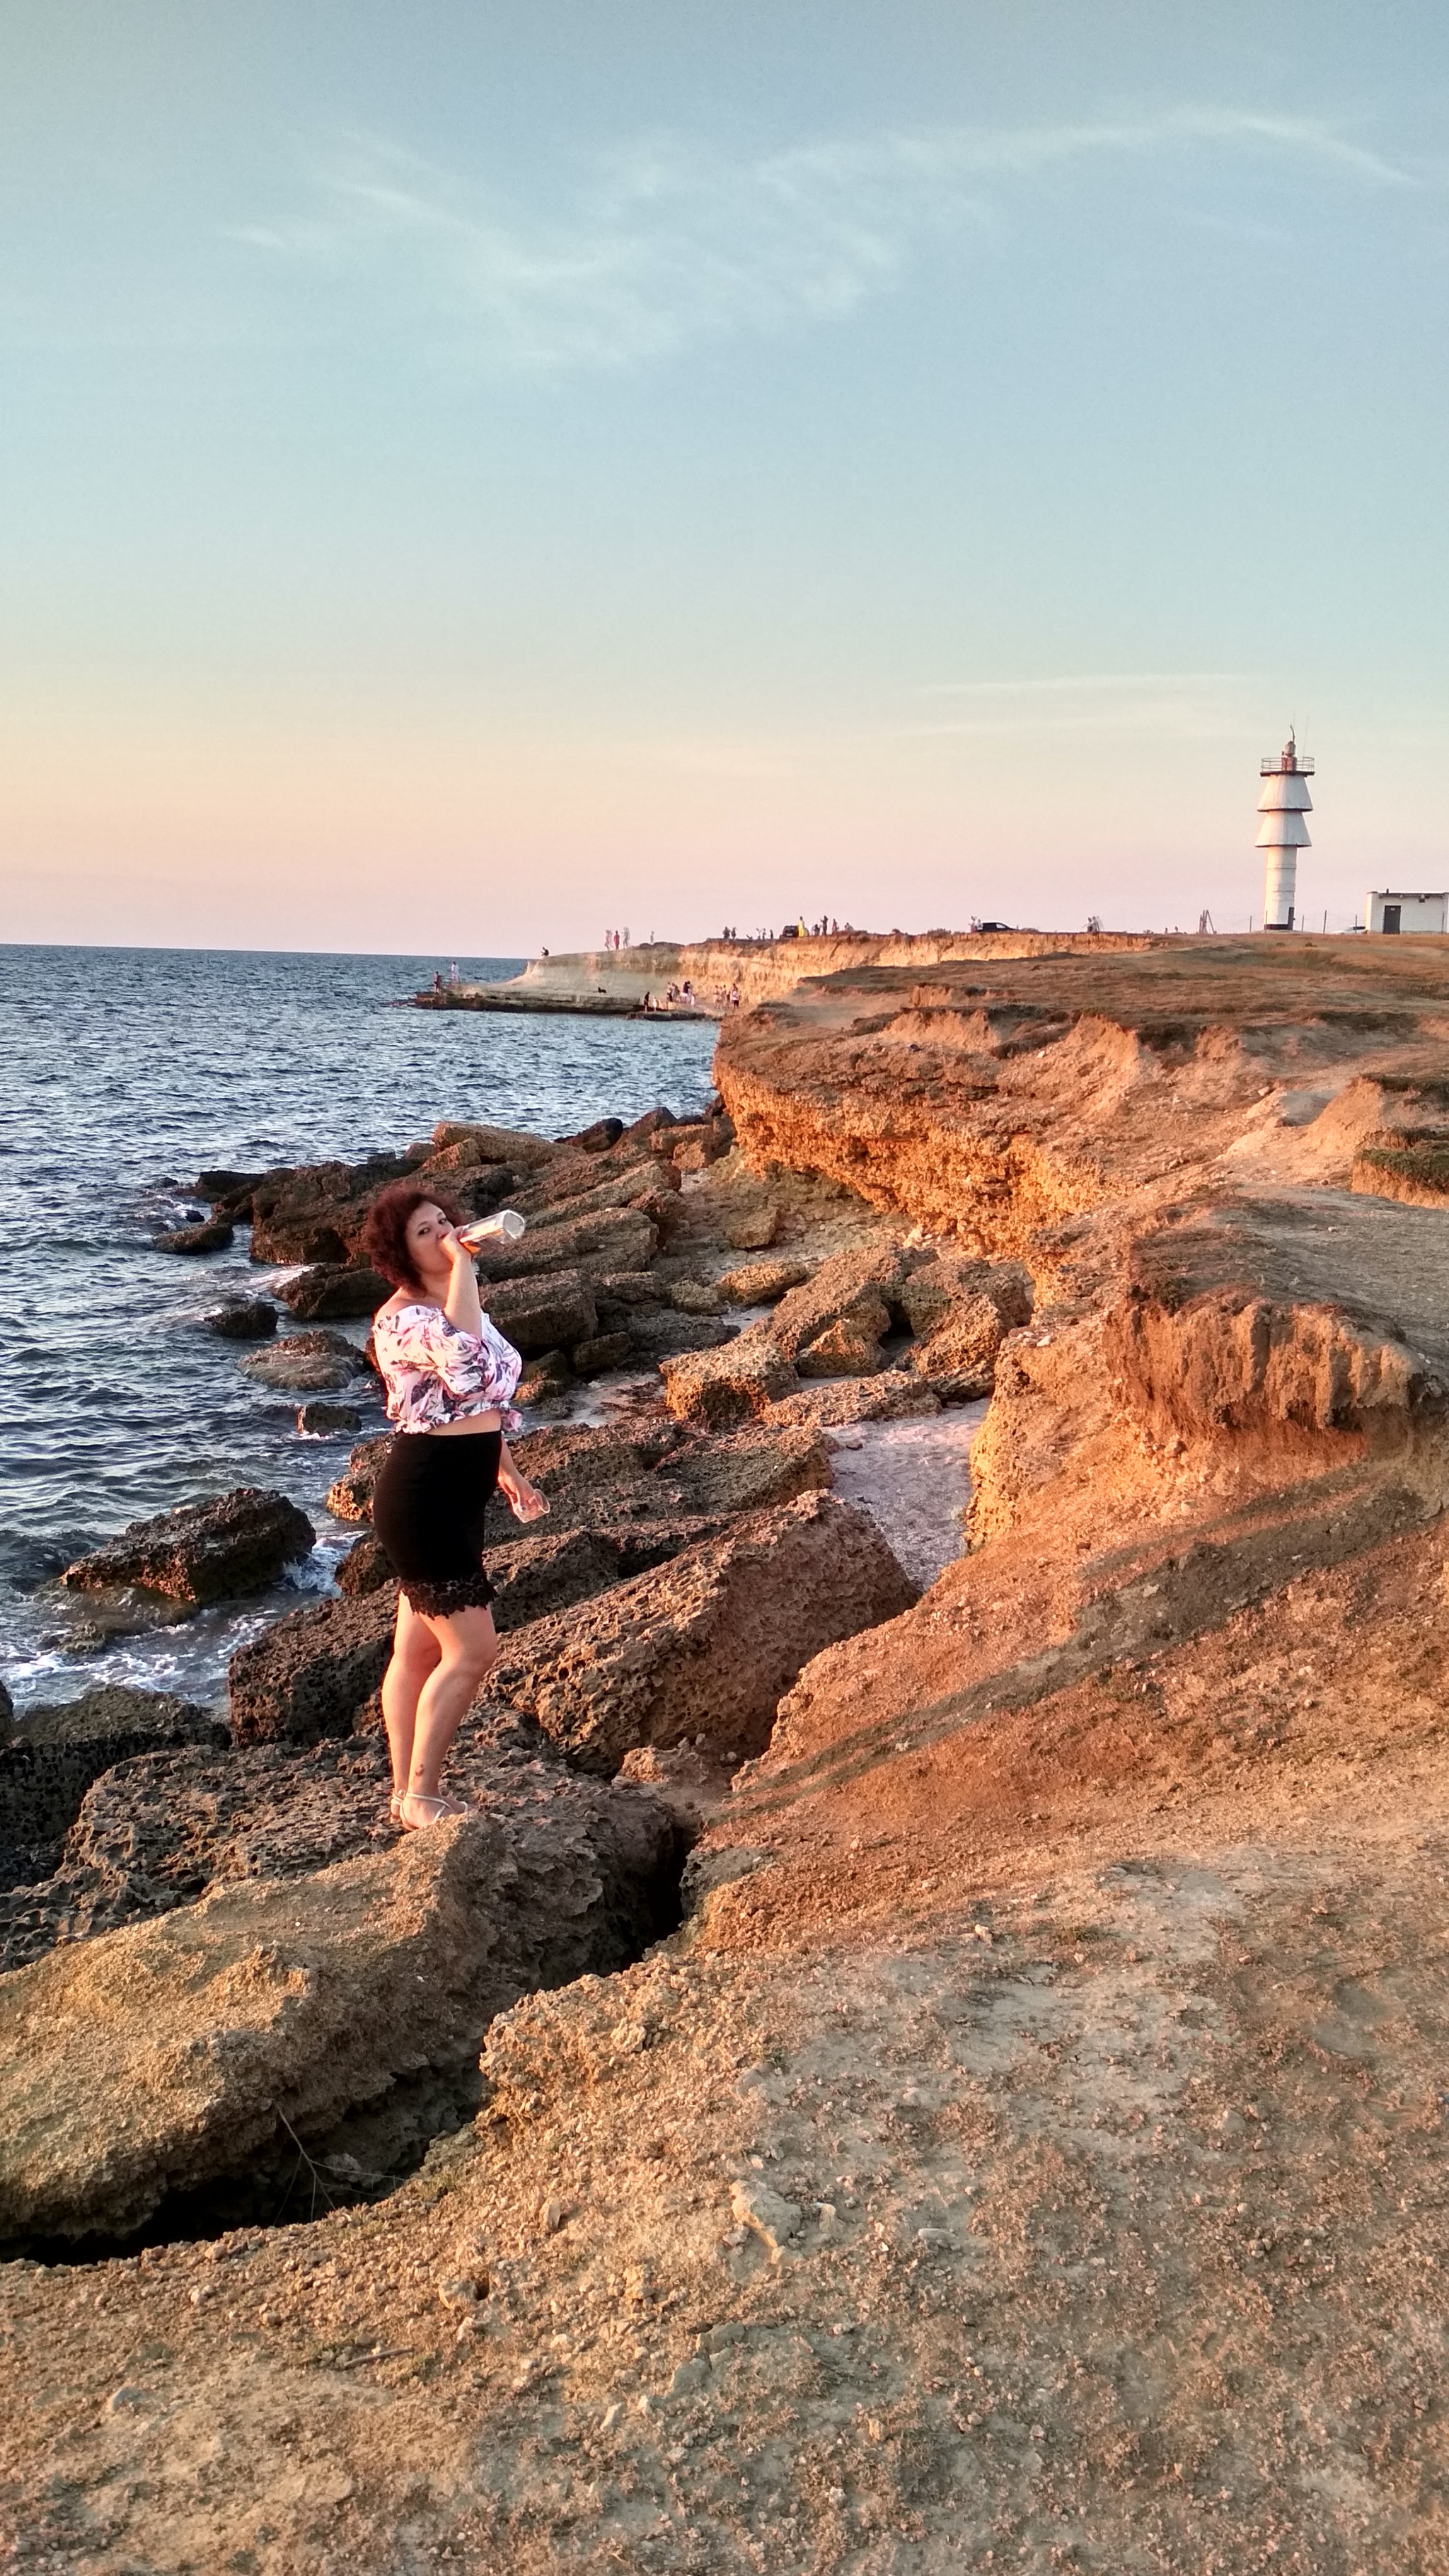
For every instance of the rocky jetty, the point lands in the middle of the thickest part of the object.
(1008, 2155)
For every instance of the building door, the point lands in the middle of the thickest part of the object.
(1393, 916)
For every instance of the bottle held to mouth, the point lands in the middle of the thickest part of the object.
(504, 1226)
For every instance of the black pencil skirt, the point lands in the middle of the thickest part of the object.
(427, 1509)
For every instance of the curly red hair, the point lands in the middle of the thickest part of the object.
(385, 1229)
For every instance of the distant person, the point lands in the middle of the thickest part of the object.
(448, 1377)
(437, 979)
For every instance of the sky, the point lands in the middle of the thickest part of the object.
(475, 476)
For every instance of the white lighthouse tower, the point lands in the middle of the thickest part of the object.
(1283, 833)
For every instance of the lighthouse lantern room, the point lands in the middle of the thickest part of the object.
(1283, 833)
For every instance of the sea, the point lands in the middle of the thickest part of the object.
(124, 1073)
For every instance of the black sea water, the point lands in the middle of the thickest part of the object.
(124, 1072)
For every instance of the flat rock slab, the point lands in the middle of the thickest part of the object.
(161, 1830)
(158, 2058)
(708, 1643)
(165, 2056)
(203, 1551)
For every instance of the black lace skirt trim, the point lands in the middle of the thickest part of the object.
(441, 1600)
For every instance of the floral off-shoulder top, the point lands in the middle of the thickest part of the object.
(435, 1373)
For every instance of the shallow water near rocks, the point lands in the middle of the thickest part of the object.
(123, 1072)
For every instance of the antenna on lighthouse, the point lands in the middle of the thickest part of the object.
(1283, 833)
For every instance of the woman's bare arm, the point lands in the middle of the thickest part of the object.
(523, 1499)
(461, 1305)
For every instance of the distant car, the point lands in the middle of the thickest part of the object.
(993, 925)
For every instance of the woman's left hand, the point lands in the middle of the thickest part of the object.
(523, 1499)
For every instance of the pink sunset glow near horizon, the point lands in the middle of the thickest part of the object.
(476, 481)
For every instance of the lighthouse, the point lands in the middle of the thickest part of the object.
(1283, 833)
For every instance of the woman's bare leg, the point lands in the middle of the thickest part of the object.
(467, 1651)
(415, 1654)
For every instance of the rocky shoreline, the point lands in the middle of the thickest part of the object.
(693, 1561)
(891, 2078)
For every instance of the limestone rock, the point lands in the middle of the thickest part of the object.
(928, 1295)
(48, 1763)
(315, 1212)
(307, 1363)
(604, 1351)
(708, 1643)
(847, 1349)
(314, 1672)
(310, 1673)
(548, 1572)
(628, 1288)
(497, 1144)
(243, 1319)
(763, 1283)
(886, 1397)
(959, 1358)
(213, 1235)
(750, 1229)
(658, 1333)
(364, 1568)
(594, 1244)
(330, 1288)
(167, 2055)
(326, 1421)
(350, 1498)
(741, 1471)
(697, 1297)
(851, 1288)
(203, 1551)
(545, 1313)
(716, 1389)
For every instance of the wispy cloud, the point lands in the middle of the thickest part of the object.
(669, 242)
(1176, 703)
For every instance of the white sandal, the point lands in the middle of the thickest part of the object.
(441, 1807)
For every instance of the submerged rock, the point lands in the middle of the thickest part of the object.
(243, 1319)
(708, 1643)
(203, 1551)
(327, 1421)
(213, 1234)
(307, 1363)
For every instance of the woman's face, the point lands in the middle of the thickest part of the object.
(426, 1228)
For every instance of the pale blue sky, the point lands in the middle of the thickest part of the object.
(662, 465)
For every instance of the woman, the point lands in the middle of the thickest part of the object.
(448, 1376)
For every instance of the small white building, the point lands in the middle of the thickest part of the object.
(1405, 912)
